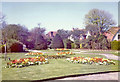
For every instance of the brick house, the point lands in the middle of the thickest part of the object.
(51, 34)
(113, 34)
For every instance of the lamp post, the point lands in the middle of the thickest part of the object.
(5, 41)
(5, 51)
(1, 40)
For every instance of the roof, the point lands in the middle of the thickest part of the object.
(49, 34)
(111, 33)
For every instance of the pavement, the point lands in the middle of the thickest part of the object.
(106, 76)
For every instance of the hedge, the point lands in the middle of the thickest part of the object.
(115, 45)
(16, 47)
(72, 45)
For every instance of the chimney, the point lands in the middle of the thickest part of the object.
(52, 34)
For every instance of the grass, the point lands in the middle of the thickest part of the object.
(56, 68)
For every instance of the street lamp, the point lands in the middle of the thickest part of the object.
(5, 51)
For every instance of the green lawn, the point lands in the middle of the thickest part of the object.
(56, 68)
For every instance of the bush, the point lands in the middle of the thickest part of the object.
(2, 49)
(96, 42)
(73, 45)
(81, 45)
(67, 43)
(57, 42)
(115, 45)
(16, 47)
(9, 43)
(30, 44)
(41, 43)
(77, 43)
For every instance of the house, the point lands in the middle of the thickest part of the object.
(51, 34)
(83, 36)
(116, 36)
(113, 34)
(88, 34)
(71, 38)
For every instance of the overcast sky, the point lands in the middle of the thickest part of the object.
(54, 15)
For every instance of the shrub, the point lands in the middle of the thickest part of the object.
(115, 45)
(72, 45)
(41, 43)
(57, 42)
(96, 42)
(30, 44)
(2, 49)
(10, 43)
(67, 43)
(16, 47)
(81, 45)
(77, 43)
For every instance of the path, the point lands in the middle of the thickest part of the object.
(106, 76)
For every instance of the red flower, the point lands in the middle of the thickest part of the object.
(13, 62)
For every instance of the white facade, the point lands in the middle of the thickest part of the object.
(71, 38)
(116, 36)
(88, 34)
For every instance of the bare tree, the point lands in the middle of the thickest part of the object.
(101, 18)
(2, 41)
(92, 28)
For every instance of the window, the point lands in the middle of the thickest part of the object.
(118, 36)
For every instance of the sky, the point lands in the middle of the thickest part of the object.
(54, 15)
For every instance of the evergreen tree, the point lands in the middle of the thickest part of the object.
(57, 42)
(40, 43)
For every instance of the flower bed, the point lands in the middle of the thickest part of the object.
(55, 56)
(88, 60)
(34, 53)
(61, 49)
(23, 62)
(64, 53)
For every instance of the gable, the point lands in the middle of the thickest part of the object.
(112, 33)
(116, 36)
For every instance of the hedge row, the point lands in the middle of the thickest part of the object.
(115, 45)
